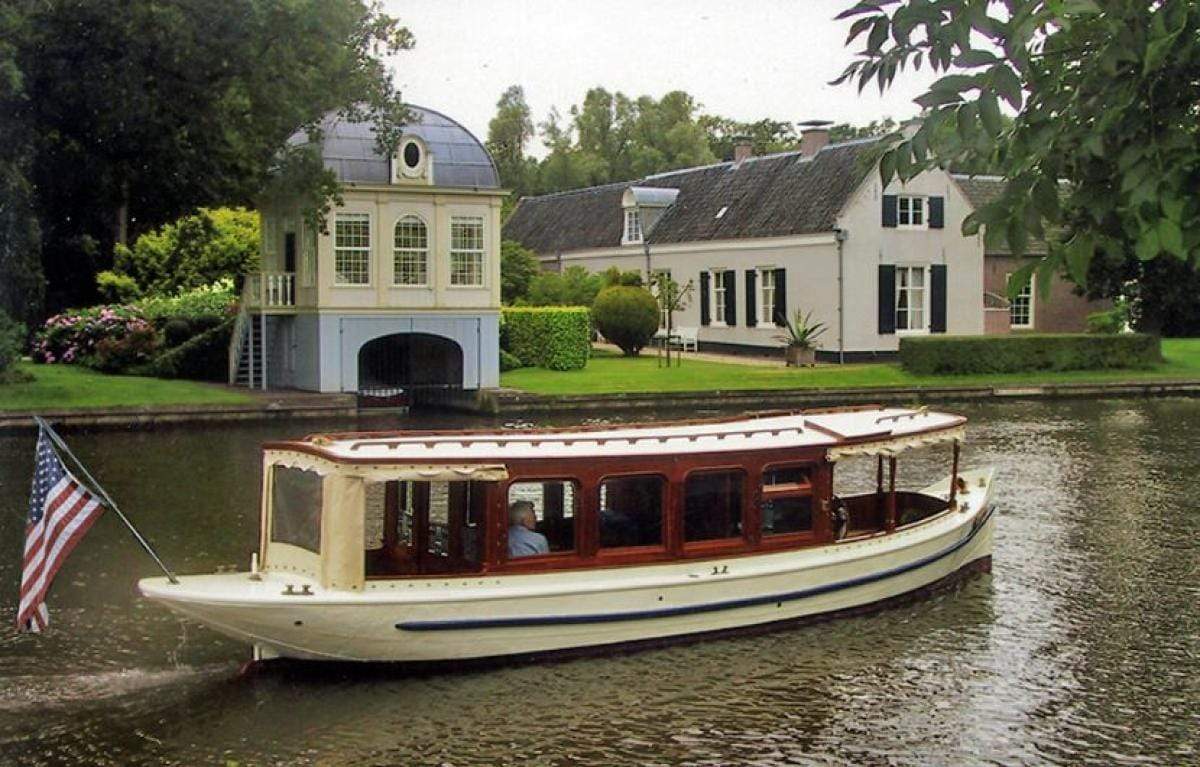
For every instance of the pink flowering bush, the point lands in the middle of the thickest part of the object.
(110, 338)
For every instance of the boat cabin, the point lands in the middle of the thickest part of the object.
(372, 510)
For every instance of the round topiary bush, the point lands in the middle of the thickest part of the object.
(176, 331)
(626, 316)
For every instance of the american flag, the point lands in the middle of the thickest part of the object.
(61, 509)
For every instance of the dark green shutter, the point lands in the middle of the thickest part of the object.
(730, 298)
(751, 300)
(937, 298)
(887, 299)
(937, 212)
(889, 210)
(781, 310)
(704, 310)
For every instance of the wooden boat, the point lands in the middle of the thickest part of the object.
(418, 546)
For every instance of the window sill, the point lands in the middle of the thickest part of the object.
(920, 332)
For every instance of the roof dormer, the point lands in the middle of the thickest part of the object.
(413, 162)
(643, 206)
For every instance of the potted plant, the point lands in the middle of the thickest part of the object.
(800, 336)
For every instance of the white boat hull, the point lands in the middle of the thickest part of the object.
(459, 618)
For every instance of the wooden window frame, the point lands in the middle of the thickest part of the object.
(715, 546)
(918, 206)
(811, 489)
(552, 557)
(926, 291)
(357, 251)
(411, 252)
(475, 255)
(1029, 288)
(614, 553)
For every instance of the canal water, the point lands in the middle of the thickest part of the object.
(1081, 647)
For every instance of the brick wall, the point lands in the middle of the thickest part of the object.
(1061, 312)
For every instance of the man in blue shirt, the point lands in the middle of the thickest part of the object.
(523, 538)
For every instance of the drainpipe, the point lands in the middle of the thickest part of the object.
(840, 235)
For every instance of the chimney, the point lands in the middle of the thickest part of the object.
(814, 135)
(743, 148)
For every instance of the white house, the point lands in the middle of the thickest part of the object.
(403, 289)
(762, 237)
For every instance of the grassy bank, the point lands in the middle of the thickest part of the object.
(612, 374)
(72, 387)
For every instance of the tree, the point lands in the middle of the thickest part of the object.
(191, 252)
(626, 316)
(574, 286)
(1104, 93)
(141, 111)
(766, 136)
(518, 267)
(509, 132)
(21, 283)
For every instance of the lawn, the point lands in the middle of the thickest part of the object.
(71, 387)
(607, 374)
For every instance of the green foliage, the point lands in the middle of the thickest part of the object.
(942, 355)
(574, 286)
(552, 337)
(215, 300)
(203, 357)
(163, 107)
(192, 252)
(509, 361)
(12, 341)
(800, 331)
(611, 276)
(518, 268)
(626, 316)
(670, 295)
(509, 132)
(1160, 293)
(1104, 98)
(1114, 320)
(117, 288)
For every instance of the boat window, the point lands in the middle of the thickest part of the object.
(296, 507)
(792, 514)
(787, 501)
(712, 506)
(553, 506)
(631, 511)
(424, 527)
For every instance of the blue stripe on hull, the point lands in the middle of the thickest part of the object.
(671, 612)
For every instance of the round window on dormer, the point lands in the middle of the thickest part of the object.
(412, 158)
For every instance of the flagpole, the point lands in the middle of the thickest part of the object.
(108, 501)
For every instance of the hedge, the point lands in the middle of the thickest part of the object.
(553, 337)
(927, 355)
(203, 357)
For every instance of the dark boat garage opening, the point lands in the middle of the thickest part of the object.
(408, 366)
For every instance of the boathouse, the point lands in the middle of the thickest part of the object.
(401, 291)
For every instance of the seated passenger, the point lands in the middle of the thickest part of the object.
(523, 539)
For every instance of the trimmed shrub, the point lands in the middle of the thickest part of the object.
(176, 330)
(552, 337)
(1020, 352)
(626, 316)
(12, 341)
(203, 357)
(509, 361)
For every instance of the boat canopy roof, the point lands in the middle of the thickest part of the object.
(859, 431)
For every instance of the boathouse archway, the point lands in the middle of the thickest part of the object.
(409, 362)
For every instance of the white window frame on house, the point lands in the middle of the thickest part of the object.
(912, 211)
(467, 259)
(716, 285)
(349, 253)
(1015, 303)
(905, 288)
(410, 253)
(662, 309)
(632, 231)
(766, 296)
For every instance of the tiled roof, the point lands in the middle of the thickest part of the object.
(981, 190)
(771, 196)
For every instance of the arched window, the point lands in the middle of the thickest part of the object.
(411, 254)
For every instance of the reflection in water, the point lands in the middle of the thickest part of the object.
(1080, 648)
